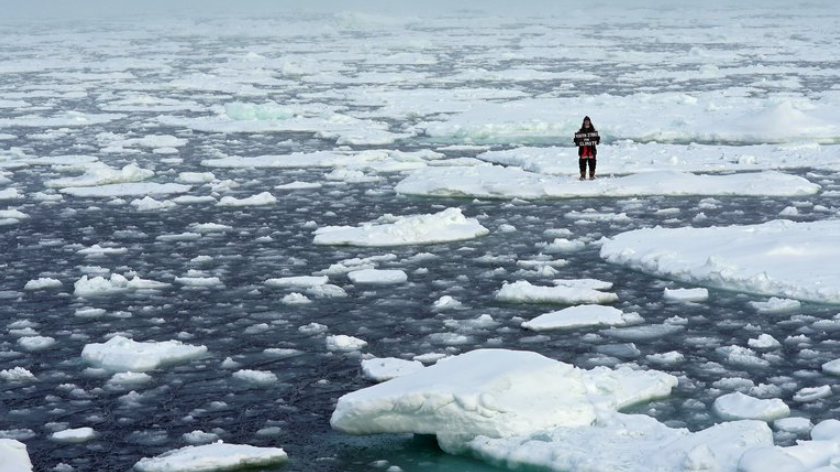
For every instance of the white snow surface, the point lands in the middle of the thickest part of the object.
(581, 316)
(212, 457)
(569, 293)
(780, 258)
(14, 456)
(377, 276)
(120, 354)
(99, 286)
(629, 443)
(380, 369)
(488, 181)
(445, 226)
(127, 190)
(737, 406)
(496, 393)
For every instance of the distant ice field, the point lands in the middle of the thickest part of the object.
(287, 197)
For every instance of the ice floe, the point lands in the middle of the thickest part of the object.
(377, 277)
(389, 230)
(779, 258)
(582, 316)
(101, 286)
(508, 183)
(569, 293)
(15, 457)
(737, 406)
(125, 355)
(217, 456)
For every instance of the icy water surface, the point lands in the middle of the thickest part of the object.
(334, 63)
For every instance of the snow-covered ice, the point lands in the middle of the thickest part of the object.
(126, 355)
(217, 456)
(779, 258)
(523, 291)
(737, 406)
(377, 276)
(445, 226)
(507, 183)
(581, 316)
(493, 392)
(387, 368)
(15, 457)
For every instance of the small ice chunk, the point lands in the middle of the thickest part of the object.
(123, 355)
(523, 291)
(261, 199)
(377, 277)
(776, 305)
(200, 437)
(344, 343)
(17, 374)
(387, 368)
(42, 284)
(295, 298)
(212, 457)
(255, 377)
(809, 394)
(299, 281)
(389, 230)
(581, 316)
(687, 294)
(666, 358)
(446, 302)
(74, 436)
(35, 343)
(196, 177)
(832, 367)
(737, 406)
(764, 341)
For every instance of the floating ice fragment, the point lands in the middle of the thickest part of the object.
(125, 355)
(448, 225)
(581, 316)
(737, 406)
(212, 457)
(377, 277)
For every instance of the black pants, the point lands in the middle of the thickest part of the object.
(592, 163)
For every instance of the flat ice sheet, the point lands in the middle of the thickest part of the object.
(212, 457)
(780, 258)
(508, 183)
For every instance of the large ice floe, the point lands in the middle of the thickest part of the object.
(120, 354)
(13, 456)
(704, 117)
(389, 230)
(504, 182)
(520, 410)
(212, 457)
(780, 258)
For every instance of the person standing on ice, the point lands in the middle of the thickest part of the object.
(586, 139)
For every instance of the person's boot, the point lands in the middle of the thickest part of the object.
(583, 176)
(591, 176)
